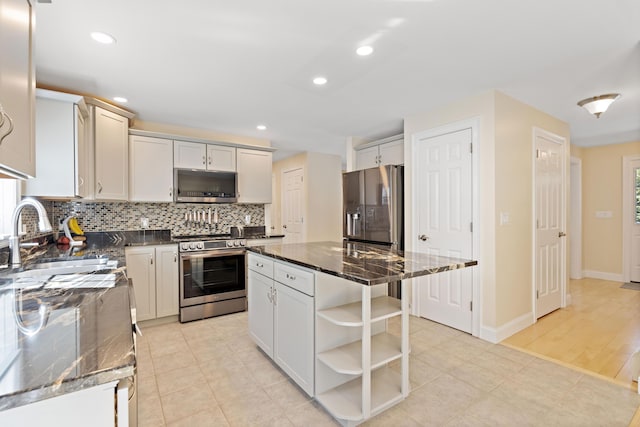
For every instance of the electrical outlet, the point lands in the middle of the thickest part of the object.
(144, 223)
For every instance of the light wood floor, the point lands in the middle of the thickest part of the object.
(598, 332)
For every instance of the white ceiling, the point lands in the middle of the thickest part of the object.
(227, 65)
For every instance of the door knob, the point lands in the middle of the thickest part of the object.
(284, 226)
(562, 234)
(423, 237)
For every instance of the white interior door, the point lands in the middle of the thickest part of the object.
(635, 221)
(444, 217)
(550, 224)
(292, 205)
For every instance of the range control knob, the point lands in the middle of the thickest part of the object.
(192, 246)
(242, 242)
(184, 246)
(229, 243)
(200, 245)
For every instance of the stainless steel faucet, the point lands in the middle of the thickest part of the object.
(43, 224)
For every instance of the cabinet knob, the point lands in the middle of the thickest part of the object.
(175, 257)
(151, 260)
(204, 160)
(209, 159)
(170, 191)
(423, 237)
(99, 187)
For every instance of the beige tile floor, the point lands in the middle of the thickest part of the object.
(209, 373)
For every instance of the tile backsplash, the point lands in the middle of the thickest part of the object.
(127, 216)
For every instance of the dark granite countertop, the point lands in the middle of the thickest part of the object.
(55, 340)
(361, 262)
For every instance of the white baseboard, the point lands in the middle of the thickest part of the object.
(614, 277)
(495, 335)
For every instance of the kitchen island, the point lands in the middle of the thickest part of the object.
(321, 310)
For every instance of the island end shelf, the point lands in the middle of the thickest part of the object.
(355, 368)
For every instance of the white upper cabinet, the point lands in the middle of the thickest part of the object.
(111, 139)
(254, 176)
(150, 169)
(189, 155)
(221, 158)
(385, 153)
(61, 160)
(197, 155)
(17, 90)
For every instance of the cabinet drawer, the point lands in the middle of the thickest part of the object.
(294, 277)
(260, 264)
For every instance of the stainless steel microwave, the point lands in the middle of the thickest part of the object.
(198, 186)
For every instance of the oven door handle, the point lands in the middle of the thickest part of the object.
(214, 253)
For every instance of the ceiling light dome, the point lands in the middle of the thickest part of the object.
(364, 50)
(320, 80)
(103, 38)
(598, 104)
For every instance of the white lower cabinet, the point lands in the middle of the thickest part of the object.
(281, 317)
(92, 406)
(154, 272)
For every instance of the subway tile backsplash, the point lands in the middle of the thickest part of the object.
(127, 216)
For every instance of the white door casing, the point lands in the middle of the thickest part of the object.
(630, 222)
(444, 216)
(575, 231)
(549, 221)
(292, 205)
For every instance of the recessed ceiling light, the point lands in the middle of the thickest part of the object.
(364, 50)
(320, 81)
(261, 127)
(120, 99)
(101, 37)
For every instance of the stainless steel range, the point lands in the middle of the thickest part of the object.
(212, 276)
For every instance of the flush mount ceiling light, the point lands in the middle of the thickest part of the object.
(364, 50)
(261, 127)
(120, 99)
(320, 80)
(599, 104)
(103, 38)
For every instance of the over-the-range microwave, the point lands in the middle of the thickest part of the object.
(198, 186)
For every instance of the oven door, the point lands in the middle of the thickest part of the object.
(211, 276)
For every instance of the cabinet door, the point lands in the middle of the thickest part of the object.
(150, 169)
(17, 89)
(392, 153)
(260, 311)
(141, 270)
(56, 148)
(111, 140)
(293, 335)
(189, 155)
(221, 158)
(81, 152)
(167, 280)
(254, 176)
(367, 158)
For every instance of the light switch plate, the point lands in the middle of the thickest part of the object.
(604, 214)
(504, 218)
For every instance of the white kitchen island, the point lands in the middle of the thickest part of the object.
(321, 310)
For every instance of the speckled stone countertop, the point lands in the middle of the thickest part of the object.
(361, 262)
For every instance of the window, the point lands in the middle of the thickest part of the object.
(637, 189)
(8, 200)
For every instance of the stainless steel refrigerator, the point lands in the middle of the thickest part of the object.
(373, 206)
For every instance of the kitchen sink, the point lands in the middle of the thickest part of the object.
(55, 263)
(80, 273)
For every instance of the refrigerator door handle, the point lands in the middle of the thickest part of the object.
(349, 224)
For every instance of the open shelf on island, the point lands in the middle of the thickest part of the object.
(347, 359)
(351, 314)
(345, 401)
